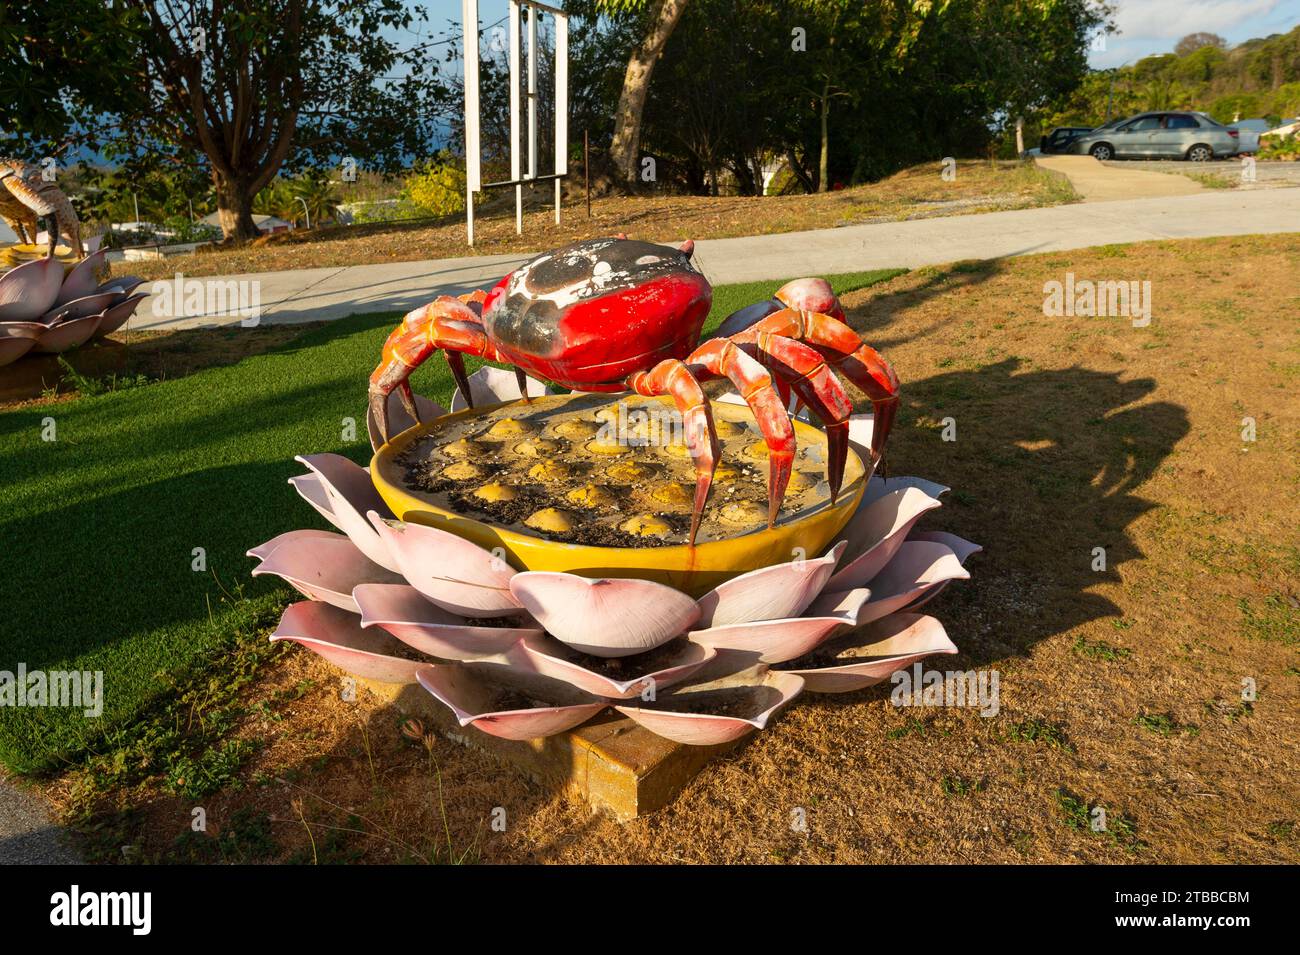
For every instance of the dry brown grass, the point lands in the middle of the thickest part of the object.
(1072, 434)
(919, 192)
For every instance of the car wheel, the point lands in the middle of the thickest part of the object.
(1200, 153)
(1101, 152)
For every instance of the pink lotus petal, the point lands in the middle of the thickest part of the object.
(959, 545)
(491, 386)
(701, 728)
(117, 315)
(126, 284)
(29, 291)
(81, 307)
(352, 496)
(468, 691)
(83, 280)
(872, 653)
(17, 339)
(875, 532)
(66, 335)
(449, 570)
(263, 551)
(399, 420)
(552, 658)
(325, 570)
(772, 641)
(769, 593)
(605, 616)
(402, 611)
(878, 487)
(918, 567)
(840, 603)
(311, 490)
(337, 636)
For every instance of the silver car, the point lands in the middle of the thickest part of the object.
(1182, 135)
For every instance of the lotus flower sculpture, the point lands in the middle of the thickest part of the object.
(46, 308)
(522, 654)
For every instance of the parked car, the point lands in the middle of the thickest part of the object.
(1248, 133)
(1180, 135)
(1058, 139)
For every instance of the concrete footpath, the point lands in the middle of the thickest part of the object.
(1105, 182)
(325, 294)
(27, 836)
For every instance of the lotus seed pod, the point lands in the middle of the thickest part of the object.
(461, 449)
(536, 447)
(548, 472)
(463, 471)
(645, 525)
(575, 429)
(743, 513)
(510, 428)
(495, 492)
(591, 495)
(605, 446)
(674, 495)
(551, 519)
(629, 472)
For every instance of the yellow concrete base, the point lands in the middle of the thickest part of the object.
(613, 763)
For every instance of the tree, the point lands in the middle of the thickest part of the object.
(246, 88)
(626, 143)
(1194, 41)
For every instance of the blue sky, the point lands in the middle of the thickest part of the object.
(1154, 26)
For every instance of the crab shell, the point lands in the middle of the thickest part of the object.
(592, 313)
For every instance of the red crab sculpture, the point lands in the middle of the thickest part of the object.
(620, 315)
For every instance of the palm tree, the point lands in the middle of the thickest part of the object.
(318, 193)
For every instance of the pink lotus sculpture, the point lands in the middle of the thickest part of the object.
(44, 309)
(527, 654)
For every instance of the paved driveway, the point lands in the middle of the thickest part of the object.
(316, 294)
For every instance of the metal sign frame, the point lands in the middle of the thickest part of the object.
(473, 145)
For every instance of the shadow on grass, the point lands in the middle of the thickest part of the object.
(1045, 469)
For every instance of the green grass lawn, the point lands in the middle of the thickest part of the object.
(99, 527)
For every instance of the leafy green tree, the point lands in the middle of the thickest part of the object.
(243, 88)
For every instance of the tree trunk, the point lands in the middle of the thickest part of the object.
(636, 85)
(823, 177)
(1020, 137)
(799, 172)
(235, 209)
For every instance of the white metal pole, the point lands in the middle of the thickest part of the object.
(473, 161)
(561, 105)
(514, 116)
(532, 92)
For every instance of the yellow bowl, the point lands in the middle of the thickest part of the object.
(693, 570)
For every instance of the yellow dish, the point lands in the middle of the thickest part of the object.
(692, 570)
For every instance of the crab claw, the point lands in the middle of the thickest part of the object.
(446, 323)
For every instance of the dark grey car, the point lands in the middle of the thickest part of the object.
(1163, 135)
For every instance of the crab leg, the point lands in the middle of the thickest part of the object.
(845, 350)
(806, 372)
(673, 377)
(809, 295)
(721, 357)
(446, 323)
